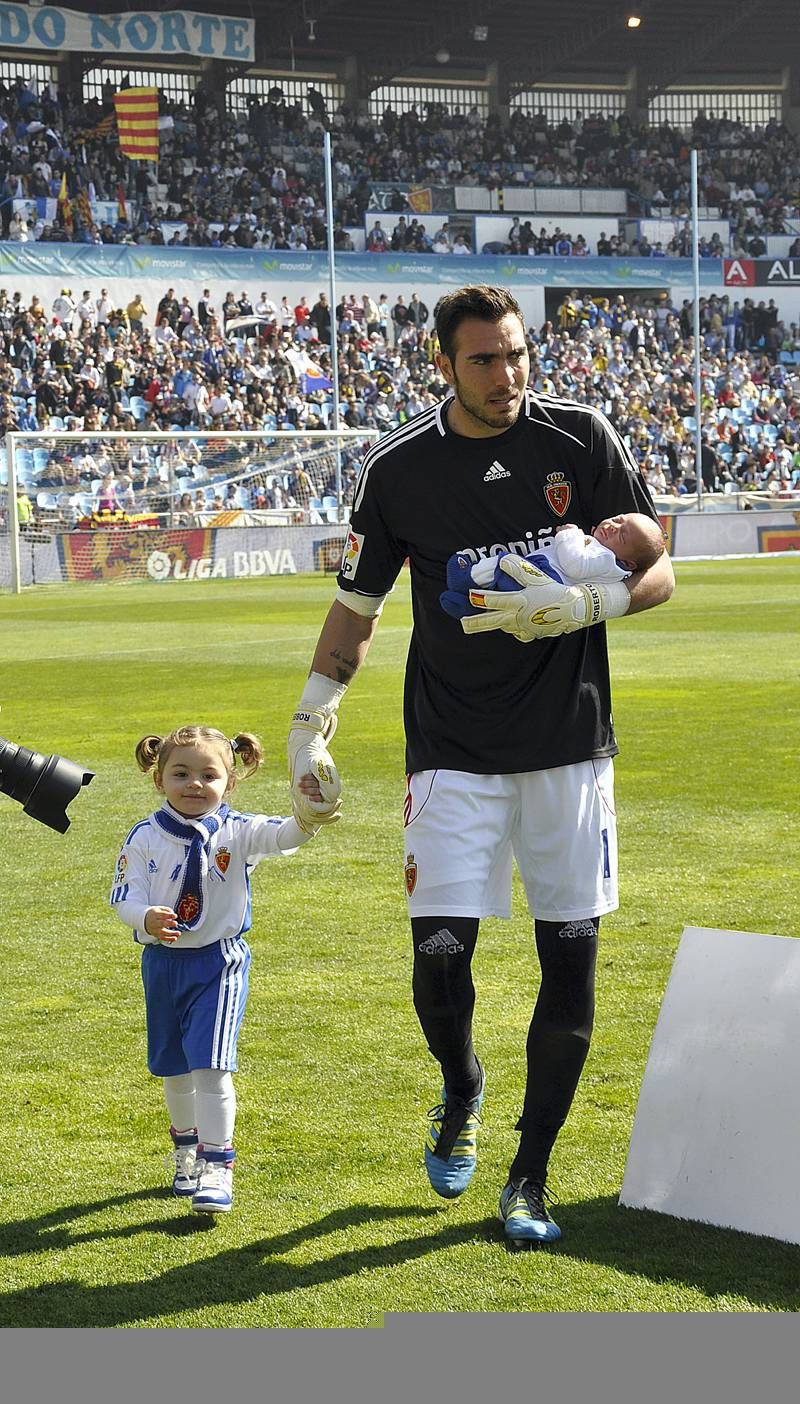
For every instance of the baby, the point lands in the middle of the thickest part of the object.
(617, 547)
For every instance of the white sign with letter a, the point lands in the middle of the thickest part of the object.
(716, 1136)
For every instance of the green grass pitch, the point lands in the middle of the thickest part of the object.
(334, 1222)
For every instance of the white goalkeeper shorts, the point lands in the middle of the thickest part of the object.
(464, 831)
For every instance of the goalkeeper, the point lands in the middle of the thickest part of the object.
(509, 746)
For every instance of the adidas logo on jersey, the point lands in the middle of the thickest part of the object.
(495, 472)
(441, 943)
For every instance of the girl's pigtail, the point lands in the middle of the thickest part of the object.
(249, 748)
(147, 752)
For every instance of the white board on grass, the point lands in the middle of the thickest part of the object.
(716, 1136)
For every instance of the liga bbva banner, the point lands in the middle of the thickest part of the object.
(139, 32)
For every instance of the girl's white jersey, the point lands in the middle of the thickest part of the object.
(151, 867)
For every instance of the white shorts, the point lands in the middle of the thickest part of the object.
(462, 832)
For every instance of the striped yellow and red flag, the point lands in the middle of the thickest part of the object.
(137, 123)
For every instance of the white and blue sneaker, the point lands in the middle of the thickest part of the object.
(183, 1159)
(523, 1210)
(214, 1191)
(451, 1150)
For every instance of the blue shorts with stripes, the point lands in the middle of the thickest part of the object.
(195, 1000)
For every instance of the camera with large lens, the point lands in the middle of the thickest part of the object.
(43, 785)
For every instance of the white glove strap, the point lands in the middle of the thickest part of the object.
(321, 694)
(607, 601)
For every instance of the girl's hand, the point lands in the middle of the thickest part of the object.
(309, 785)
(162, 923)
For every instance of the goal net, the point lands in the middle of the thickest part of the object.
(174, 506)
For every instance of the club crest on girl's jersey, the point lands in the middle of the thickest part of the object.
(222, 859)
(558, 493)
(188, 907)
(410, 874)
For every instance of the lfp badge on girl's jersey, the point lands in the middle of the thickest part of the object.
(558, 493)
(222, 859)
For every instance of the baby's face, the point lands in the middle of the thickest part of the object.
(619, 535)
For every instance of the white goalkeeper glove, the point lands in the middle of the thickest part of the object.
(313, 725)
(541, 608)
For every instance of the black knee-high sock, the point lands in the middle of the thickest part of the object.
(444, 996)
(558, 1038)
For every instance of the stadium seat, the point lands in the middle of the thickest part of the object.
(41, 459)
(243, 499)
(83, 504)
(138, 407)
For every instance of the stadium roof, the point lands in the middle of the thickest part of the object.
(575, 41)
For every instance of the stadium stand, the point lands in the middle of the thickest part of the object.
(249, 364)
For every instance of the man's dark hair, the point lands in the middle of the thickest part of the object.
(486, 303)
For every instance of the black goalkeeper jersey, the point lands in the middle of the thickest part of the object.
(487, 703)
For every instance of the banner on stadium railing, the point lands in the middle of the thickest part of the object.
(74, 261)
(420, 199)
(45, 207)
(141, 32)
(761, 272)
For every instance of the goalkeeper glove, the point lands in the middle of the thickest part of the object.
(541, 609)
(313, 725)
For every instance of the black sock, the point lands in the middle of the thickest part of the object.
(444, 997)
(558, 1038)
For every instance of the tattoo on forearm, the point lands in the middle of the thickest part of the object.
(346, 668)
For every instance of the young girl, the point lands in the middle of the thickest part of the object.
(183, 883)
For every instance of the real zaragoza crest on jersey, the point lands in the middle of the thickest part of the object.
(558, 493)
(222, 859)
(410, 874)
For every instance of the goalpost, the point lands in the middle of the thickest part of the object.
(174, 506)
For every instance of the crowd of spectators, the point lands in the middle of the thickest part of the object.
(251, 363)
(220, 179)
(256, 365)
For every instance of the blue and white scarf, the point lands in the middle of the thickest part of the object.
(190, 906)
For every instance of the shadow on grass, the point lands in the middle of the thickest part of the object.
(49, 1231)
(239, 1274)
(676, 1252)
(659, 1250)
